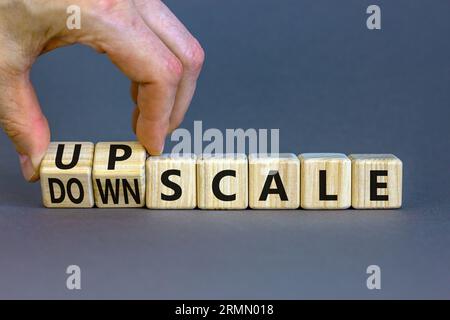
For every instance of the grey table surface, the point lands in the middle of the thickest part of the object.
(310, 68)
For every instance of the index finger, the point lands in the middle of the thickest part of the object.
(145, 59)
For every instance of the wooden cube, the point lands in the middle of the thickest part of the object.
(274, 181)
(171, 181)
(376, 181)
(325, 181)
(222, 181)
(66, 175)
(119, 174)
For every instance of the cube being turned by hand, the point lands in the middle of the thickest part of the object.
(66, 175)
(119, 174)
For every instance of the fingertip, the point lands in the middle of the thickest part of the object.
(154, 148)
(30, 168)
(32, 150)
(151, 135)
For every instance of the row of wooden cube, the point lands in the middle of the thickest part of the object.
(119, 174)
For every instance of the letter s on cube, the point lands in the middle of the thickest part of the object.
(171, 181)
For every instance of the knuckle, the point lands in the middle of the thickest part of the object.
(194, 56)
(113, 13)
(106, 5)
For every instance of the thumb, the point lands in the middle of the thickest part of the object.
(22, 119)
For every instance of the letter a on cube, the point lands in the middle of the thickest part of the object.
(222, 181)
(66, 175)
(119, 174)
(376, 181)
(274, 181)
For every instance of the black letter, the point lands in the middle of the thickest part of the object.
(113, 154)
(53, 199)
(374, 185)
(177, 192)
(273, 175)
(323, 187)
(69, 190)
(73, 162)
(108, 188)
(215, 185)
(127, 187)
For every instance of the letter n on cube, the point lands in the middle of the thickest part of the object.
(119, 174)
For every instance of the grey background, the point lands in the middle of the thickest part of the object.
(310, 68)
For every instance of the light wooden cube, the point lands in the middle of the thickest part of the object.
(66, 175)
(171, 181)
(222, 181)
(376, 181)
(325, 181)
(274, 181)
(119, 174)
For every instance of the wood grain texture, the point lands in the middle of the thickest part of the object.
(268, 168)
(362, 165)
(123, 184)
(338, 180)
(185, 177)
(208, 166)
(66, 183)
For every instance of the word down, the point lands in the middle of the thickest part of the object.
(119, 174)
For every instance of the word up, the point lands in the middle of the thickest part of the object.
(119, 174)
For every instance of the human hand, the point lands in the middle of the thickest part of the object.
(142, 37)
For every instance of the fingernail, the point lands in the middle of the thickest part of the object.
(28, 169)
